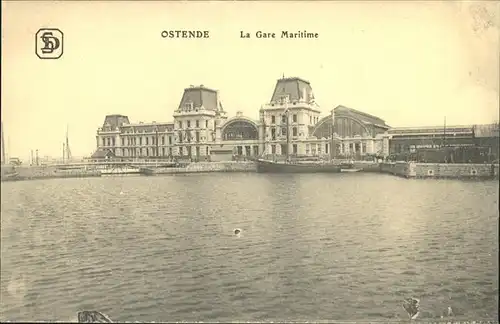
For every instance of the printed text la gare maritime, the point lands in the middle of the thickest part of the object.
(283, 34)
(259, 34)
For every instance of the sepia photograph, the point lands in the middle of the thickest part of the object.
(250, 161)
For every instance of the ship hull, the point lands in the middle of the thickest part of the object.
(275, 167)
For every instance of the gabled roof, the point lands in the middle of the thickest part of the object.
(102, 154)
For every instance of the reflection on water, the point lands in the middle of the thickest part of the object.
(311, 247)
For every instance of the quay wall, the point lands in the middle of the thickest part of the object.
(48, 172)
(441, 170)
(395, 168)
(201, 167)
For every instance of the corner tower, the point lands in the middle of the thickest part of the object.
(196, 119)
(292, 98)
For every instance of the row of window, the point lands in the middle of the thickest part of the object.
(283, 132)
(151, 152)
(312, 120)
(310, 149)
(130, 141)
(354, 147)
(187, 137)
(146, 151)
(188, 124)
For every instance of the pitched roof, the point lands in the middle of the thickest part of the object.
(295, 88)
(102, 153)
(115, 120)
(201, 96)
(150, 127)
(364, 117)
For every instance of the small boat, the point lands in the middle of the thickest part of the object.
(350, 170)
(348, 167)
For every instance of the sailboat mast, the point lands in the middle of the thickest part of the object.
(67, 151)
(331, 142)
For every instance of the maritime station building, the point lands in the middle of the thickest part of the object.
(290, 122)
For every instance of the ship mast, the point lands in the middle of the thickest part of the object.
(67, 151)
(331, 141)
(287, 130)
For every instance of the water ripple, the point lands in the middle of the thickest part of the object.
(312, 247)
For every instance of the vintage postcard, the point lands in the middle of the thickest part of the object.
(219, 161)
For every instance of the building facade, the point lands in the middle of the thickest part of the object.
(290, 123)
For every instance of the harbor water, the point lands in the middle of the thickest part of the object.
(312, 247)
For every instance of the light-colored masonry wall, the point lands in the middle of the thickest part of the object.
(440, 170)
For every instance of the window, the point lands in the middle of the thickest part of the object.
(197, 136)
(294, 118)
(273, 149)
(294, 131)
(163, 151)
(170, 151)
(180, 124)
(163, 140)
(188, 123)
(140, 140)
(273, 119)
(147, 141)
(283, 131)
(207, 150)
(273, 133)
(181, 151)
(123, 141)
(326, 148)
(197, 123)
(283, 118)
(170, 140)
(310, 120)
(294, 148)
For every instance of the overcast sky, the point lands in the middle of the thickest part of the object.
(410, 63)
